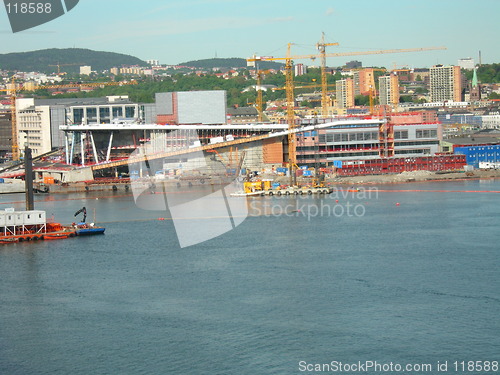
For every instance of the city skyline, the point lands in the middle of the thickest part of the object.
(188, 30)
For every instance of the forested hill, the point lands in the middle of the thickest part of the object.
(69, 59)
(233, 62)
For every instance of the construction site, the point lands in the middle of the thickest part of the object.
(107, 142)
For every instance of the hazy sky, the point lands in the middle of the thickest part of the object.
(175, 31)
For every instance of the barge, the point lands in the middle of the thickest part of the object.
(32, 225)
(266, 187)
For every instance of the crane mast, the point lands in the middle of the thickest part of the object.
(321, 46)
(290, 105)
(292, 156)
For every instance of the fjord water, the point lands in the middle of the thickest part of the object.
(414, 283)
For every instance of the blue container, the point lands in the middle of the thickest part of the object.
(307, 173)
(276, 185)
(2, 180)
(337, 163)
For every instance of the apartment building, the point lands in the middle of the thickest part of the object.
(364, 81)
(445, 84)
(345, 93)
(389, 90)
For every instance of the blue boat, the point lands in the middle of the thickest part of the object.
(83, 229)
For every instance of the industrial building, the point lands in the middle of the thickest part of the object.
(38, 120)
(361, 141)
(476, 155)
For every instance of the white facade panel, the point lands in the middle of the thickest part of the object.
(202, 107)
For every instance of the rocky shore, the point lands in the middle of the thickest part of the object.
(415, 176)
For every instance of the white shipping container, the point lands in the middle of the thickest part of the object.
(18, 218)
(2, 219)
(9, 218)
(34, 217)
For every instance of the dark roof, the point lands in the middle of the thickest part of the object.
(242, 111)
(79, 101)
(473, 140)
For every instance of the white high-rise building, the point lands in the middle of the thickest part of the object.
(153, 62)
(86, 70)
(466, 63)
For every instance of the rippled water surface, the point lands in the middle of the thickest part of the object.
(410, 277)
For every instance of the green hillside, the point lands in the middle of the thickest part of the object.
(39, 61)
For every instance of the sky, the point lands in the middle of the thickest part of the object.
(176, 31)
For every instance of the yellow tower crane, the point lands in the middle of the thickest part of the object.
(59, 66)
(292, 159)
(321, 46)
(15, 88)
(259, 96)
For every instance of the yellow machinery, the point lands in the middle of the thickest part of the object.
(256, 186)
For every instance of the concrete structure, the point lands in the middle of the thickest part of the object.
(39, 119)
(98, 143)
(345, 93)
(86, 70)
(445, 83)
(389, 90)
(364, 81)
